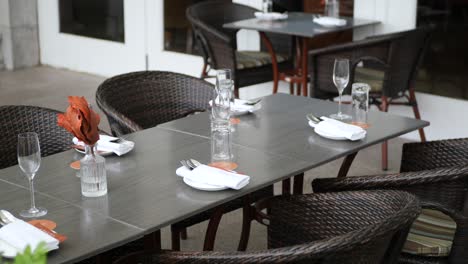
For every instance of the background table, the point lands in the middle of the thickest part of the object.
(300, 25)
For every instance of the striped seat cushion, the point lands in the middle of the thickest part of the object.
(251, 59)
(370, 76)
(431, 234)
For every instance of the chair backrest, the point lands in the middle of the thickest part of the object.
(17, 119)
(398, 55)
(348, 227)
(405, 56)
(207, 19)
(141, 100)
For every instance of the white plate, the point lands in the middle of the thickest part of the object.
(7, 251)
(271, 16)
(203, 186)
(325, 135)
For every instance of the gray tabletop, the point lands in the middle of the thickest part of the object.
(280, 128)
(144, 192)
(89, 233)
(298, 24)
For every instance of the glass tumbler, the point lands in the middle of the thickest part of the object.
(360, 96)
(220, 141)
(267, 6)
(332, 8)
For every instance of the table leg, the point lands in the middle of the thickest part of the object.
(304, 69)
(346, 165)
(286, 187)
(274, 62)
(298, 186)
(152, 242)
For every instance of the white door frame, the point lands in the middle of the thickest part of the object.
(92, 55)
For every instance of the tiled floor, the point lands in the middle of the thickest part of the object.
(49, 87)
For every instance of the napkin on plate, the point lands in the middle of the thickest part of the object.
(213, 176)
(340, 129)
(20, 234)
(330, 21)
(105, 144)
(271, 16)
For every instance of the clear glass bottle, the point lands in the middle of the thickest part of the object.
(93, 173)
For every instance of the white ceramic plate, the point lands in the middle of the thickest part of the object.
(203, 186)
(271, 16)
(325, 135)
(7, 251)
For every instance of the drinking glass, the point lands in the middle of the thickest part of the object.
(267, 6)
(29, 160)
(221, 108)
(341, 79)
(332, 8)
(360, 96)
(220, 141)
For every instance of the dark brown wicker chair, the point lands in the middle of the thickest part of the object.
(352, 227)
(391, 65)
(437, 173)
(16, 119)
(140, 100)
(219, 47)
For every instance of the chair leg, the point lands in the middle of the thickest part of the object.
(246, 224)
(183, 234)
(286, 187)
(299, 90)
(414, 104)
(384, 108)
(291, 88)
(204, 74)
(175, 237)
(298, 186)
(213, 225)
(236, 92)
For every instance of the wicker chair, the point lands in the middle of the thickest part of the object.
(353, 227)
(140, 100)
(219, 47)
(391, 65)
(437, 173)
(16, 119)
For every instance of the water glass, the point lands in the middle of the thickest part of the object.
(29, 161)
(332, 8)
(267, 6)
(221, 141)
(360, 96)
(221, 107)
(341, 80)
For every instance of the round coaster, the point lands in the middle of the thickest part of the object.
(47, 223)
(75, 165)
(224, 165)
(235, 121)
(362, 125)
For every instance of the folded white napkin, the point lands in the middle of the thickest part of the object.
(213, 176)
(104, 144)
(20, 234)
(339, 129)
(271, 16)
(330, 21)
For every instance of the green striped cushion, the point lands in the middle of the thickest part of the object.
(251, 59)
(370, 76)
(431, 234)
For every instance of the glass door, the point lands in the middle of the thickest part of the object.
(105, 37)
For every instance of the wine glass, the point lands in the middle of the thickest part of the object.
(341, 79)
(29, 160)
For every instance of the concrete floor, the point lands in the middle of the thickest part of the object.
(49, 87)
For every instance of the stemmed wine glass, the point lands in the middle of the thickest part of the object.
(29, 160)
(341, 80)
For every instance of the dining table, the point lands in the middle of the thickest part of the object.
(145, 195)
(302, 27)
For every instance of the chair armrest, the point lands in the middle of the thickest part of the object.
(434, 154)
(391, 181)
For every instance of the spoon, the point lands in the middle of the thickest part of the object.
(253, 102)
(313, 118)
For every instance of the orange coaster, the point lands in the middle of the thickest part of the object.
(224, 165)
(362, 125)
(75, 165)
(47, 223)
(235, 121)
